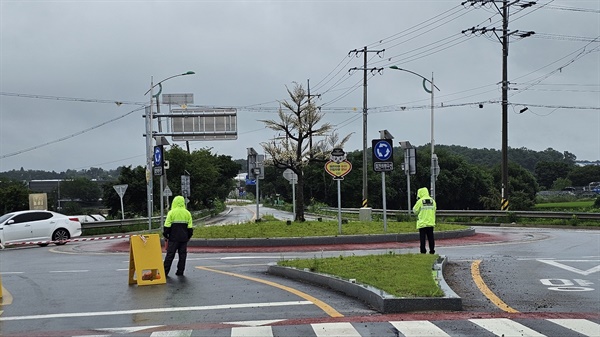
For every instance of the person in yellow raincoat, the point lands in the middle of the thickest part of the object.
(177, 230)
(425, 208)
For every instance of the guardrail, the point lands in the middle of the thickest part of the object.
(485, 213)
(126, 222)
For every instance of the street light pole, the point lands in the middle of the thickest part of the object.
(433, 168)
(149, 151)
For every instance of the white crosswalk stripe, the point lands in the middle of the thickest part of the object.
(252, 331)
(419, 329)
(172, 333)
(506, 327)
(584, 327)
(335, 329)
(422, 328)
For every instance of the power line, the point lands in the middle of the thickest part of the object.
(69, 136)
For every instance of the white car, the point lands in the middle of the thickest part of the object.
(40, 227)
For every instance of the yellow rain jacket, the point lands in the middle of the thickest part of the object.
(425, 208)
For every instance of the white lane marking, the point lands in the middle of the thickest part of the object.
(342, 329)
(154, 310)
(572, 269)
(505, 327)
(582, 326)
(68, 271)
(253, 331)
(172, 333)
(12, 272)
(419, 329)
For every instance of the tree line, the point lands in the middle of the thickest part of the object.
(468, 179)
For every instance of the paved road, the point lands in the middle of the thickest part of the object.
(81, 289)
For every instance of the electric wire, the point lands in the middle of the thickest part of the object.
(69, 136)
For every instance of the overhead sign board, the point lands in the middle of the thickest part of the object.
(179, 99)
(203, 124)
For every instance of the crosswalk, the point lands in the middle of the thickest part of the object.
(504, 327)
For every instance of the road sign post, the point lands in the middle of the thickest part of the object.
(338, 167)
(120, 189)
(292, 177)
(383, 161)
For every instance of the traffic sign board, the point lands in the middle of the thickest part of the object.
(383, 166)
(158, 155)
(383, 155)
(120, 189)
(338, 170)
(167, 192)
(290, 176)
(382, 150)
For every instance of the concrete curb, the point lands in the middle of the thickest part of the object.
(376, 298)
(325, 240)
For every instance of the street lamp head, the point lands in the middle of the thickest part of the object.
(394, 67)
(189, 73)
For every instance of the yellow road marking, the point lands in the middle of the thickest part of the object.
(486, 291)
(324, 306)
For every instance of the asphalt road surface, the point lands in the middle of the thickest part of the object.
(513, 281)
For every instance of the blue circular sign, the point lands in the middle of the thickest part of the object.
(157, 156)
(383, 150)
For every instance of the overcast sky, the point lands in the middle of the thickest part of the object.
(64, 64)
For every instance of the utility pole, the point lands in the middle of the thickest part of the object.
(504, 11)
(310, 123)
(364, 50)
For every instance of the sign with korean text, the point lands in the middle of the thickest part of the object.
(338, 169)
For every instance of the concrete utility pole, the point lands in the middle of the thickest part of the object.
(364, 50)
(504, 40)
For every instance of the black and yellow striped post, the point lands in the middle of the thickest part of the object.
(504, 205)
(364, 203)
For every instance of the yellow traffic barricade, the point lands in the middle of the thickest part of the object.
(145, 260)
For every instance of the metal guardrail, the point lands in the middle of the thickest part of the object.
(391, 212)
(485, 213)
(126, 222)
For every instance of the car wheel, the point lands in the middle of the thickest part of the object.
(60, 235)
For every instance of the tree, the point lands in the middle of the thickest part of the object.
(583, 175)
(134, 200)
(81, 189)
(298, 124)
(547, 172)
(14, 196)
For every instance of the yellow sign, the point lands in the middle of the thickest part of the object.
(338, 170)
(38, 201)
(145, 260)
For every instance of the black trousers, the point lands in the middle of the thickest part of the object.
(181, 249)
(427, 233)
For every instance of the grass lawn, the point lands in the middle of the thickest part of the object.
(402, 275)
(570, 205)
(278, 229)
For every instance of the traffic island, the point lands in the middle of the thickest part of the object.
(376, 298)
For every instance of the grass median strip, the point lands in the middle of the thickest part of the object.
(272, 228)
(401, 275)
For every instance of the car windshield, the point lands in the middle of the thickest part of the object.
(5, 216)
